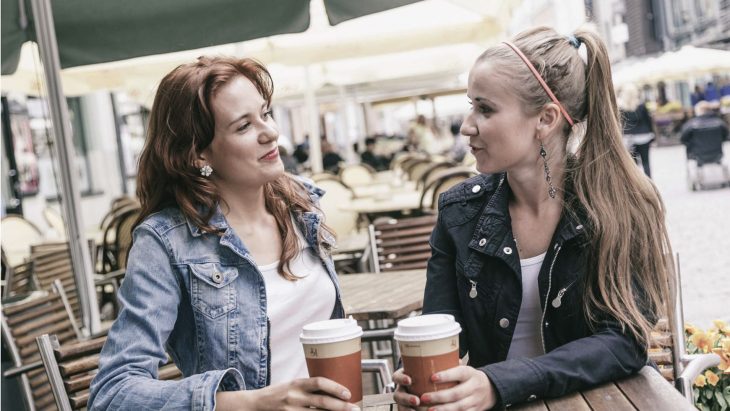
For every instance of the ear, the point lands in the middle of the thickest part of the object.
(201, 160)
(549, 119)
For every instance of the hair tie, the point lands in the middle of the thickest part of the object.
(574, 41)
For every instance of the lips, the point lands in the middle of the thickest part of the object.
(474, 149)
(271, 155)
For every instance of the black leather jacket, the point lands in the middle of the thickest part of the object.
(474, 274)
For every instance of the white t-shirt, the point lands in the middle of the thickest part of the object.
(526, 342)
(291, 305)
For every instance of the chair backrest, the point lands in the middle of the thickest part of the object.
(417, 168)
(51, 262)
(110, 246)
(439, 181)
(72, 367)
(19, 279)
(22, 322)
(325, 175)
(401, 244)
(356, 175)
(447, 181)
(55, 221)
(342, 222)
(18, 235)
(123, 241)
(433, 169)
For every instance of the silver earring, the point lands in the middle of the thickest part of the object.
(206, 170)
(543, 154)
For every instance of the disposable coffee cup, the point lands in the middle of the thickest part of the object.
(332, 349)
(428, 344)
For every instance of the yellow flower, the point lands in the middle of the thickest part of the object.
(700, 381)
(701, 340)
(689, 328)
(719, 324)
(724, 352)
(712, 378)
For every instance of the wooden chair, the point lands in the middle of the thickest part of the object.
(667, 347)
(22, 322)
(438, 182)
(123, 240)
(19, 280)
(434, 169)
(114, 241)
(72, 367)
(401, 244)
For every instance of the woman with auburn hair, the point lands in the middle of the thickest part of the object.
(230, 257)
(555, 261)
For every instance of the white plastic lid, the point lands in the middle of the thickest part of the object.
(329, 331)
(427, 327)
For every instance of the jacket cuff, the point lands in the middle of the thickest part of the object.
(516, 380)
(212, 382)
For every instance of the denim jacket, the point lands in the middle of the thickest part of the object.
(474, 274)
(200, 298)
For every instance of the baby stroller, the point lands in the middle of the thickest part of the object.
(703, 136)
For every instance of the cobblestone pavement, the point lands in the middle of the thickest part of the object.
(699, 228)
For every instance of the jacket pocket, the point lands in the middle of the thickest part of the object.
(212, 290)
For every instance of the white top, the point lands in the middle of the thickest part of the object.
(291, 305)
(526, 340)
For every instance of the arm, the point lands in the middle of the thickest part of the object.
(607, 355)
(127, 378)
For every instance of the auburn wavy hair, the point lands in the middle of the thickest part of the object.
(181, 125)
(630, 277)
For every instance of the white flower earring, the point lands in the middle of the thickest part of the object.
(206, 170)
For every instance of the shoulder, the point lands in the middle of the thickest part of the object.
(475, 189)
(163, 221)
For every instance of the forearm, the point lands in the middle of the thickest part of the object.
(605, 356)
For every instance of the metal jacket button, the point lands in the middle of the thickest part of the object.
(482, 242)
(507, 250)
(504, 323)
(217, 277)
(532, 397)
(476, 188)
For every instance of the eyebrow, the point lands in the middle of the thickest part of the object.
(242, 116)
(484, 100)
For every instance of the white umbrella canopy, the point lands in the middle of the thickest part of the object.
(682, 64)
(429, 36)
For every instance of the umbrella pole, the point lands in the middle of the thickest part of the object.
(71, 199)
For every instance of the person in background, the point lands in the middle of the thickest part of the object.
(638, 126)
(301, 151)
(704, 134)
(330, 159)
(711, 93)
(230, 258)
(555, 264)
(697, 96)
(369, 157)
(290, 164)
(459, 148)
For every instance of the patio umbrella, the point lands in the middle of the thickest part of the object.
(76, 32)
(91, 32)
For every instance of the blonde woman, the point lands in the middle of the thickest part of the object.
(554, 263)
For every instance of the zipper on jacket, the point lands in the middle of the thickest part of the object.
(473, 291)
(557, 301)
(544, 310)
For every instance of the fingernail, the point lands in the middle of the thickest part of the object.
(426, 398)
(346, 395)
(354, 408)
(413, 401)
(407, 381)
(432, 409)
(435, 378)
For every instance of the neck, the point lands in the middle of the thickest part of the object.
(530, 190)
(243, 204)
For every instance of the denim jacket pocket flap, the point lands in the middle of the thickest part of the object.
(214, 274)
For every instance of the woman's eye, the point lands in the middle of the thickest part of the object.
(243, 127)
(269, 114)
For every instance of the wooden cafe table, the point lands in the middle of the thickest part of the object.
(382, 296)
(645, 391)
(397, 201)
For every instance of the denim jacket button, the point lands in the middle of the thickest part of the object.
(476, 188)
(504, 323)
(217, 277)
(507, 250)
(532, 397)
(482, 242)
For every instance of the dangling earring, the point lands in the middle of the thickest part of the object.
(206, 170)
(543, 154)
